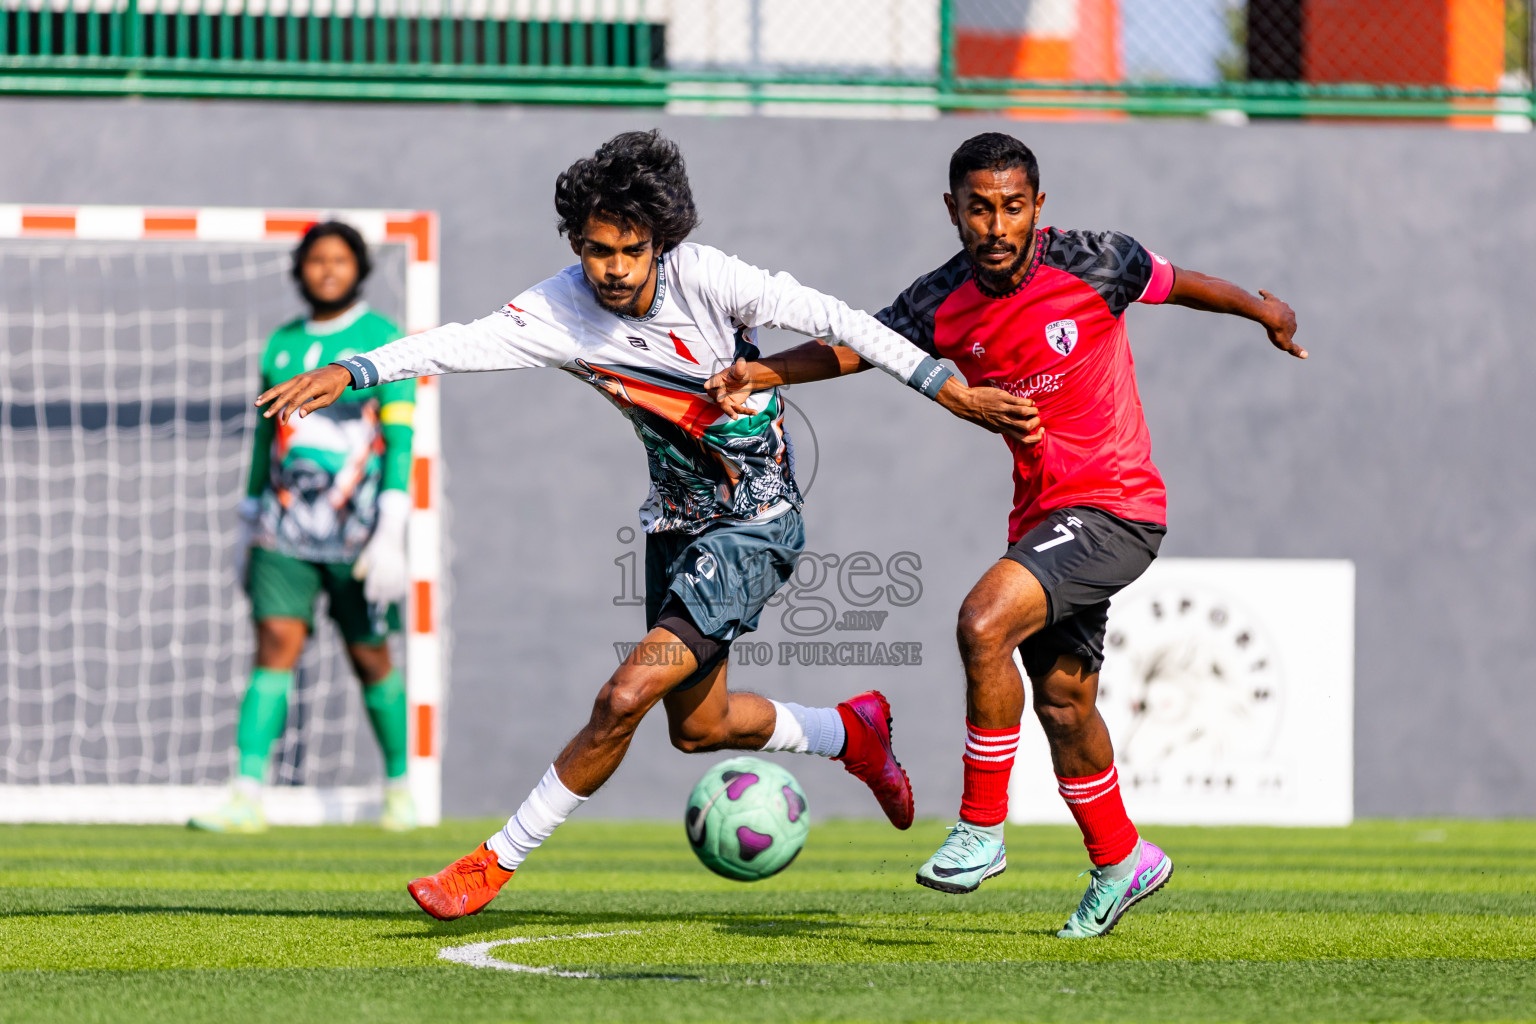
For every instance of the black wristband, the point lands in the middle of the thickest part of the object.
(364, 373)
(929, 377)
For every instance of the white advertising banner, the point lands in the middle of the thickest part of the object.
(1228, 687)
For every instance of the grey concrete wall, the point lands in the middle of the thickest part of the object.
(1404, 443)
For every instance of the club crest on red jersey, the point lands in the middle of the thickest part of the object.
(1061, 335)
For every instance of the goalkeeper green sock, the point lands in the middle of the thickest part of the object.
(263, 713)
(385, 701)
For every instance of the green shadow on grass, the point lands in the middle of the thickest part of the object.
(793, 924)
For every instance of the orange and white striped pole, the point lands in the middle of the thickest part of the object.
(424, 648)
(425, 652)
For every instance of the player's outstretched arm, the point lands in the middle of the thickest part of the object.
(990, 408)
(814, 360)
(993, 409)
(527, 332)
(1215, 295)
(305, 393)
(756, 298)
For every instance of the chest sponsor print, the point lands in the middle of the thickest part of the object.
(1061, 335)
(1039, 384)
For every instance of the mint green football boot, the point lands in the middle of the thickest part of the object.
(399, 810)
(970, 855)
(1107, 899)
(239, 814)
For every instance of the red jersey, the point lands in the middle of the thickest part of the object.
(1059, 339)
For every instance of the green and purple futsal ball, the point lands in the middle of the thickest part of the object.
(747, 819)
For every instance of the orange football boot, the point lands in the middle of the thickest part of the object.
(463, 887)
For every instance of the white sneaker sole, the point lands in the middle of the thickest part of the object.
(954, 888)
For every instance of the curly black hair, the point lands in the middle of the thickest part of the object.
(992, 151)
(332, 229)
(636, 178)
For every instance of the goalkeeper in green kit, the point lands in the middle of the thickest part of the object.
(325, 510)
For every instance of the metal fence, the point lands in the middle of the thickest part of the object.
(1468, 59)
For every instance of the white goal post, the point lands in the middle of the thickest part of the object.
(129, 343)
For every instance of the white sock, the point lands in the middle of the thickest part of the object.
(803, 730)
(248, 787)
(547, 806)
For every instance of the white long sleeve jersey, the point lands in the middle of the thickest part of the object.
(704, 466)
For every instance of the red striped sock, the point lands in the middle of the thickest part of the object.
(1095, 802)
(988, 763)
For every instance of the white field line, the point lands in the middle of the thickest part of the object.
(478, 954)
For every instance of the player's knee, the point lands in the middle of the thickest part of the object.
(696, 740)
(620, 707)
(701, 731)
(981, 631)
(1063, 703)
(371, 664)
(279, 642)
(1060, 719)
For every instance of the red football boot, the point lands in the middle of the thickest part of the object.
(868, 756)
(463, 887)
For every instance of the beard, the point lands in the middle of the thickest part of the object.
(629, 304)
(323, 307)
(624, 306)
(998, 282)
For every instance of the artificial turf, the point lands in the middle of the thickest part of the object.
(1382, 921)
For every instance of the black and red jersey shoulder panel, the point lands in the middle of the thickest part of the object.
(1110, 262)
(912, 314)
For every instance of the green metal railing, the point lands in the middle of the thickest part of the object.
(439, 57)
(447, 57)
(246, 46)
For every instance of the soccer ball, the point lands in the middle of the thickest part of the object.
(746, 819)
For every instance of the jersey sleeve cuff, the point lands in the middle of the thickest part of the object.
(364, 373)
(929, 377)
(1159, 282)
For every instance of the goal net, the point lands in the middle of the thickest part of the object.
(128, 362)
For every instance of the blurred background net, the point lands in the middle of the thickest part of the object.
(959, 52)
(127, 371)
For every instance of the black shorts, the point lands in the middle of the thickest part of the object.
(1082, 557)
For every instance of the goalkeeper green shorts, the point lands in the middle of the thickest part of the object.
(282, 587)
